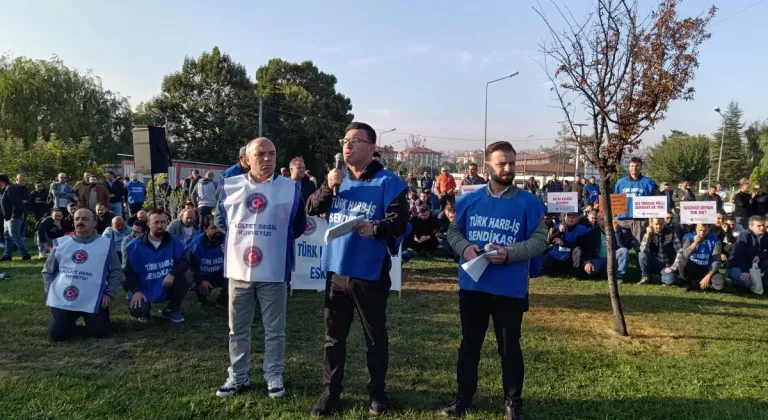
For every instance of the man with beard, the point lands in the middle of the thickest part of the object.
(184, 228)
(103, 218)
(116, 233)
(658, 251)
(154, 271)
(138, 230)
(206, 262)
(712, 195)
(81, 276)
(698, 261)
(635, 185)
(68, 223)
(117, 192)
(38, 202)
(61, 193)
(93, 194)
(80, 187)
(472, 177)
(380, 197)
(425, 228)
(565, 256)
(48, 229)
(509, 221)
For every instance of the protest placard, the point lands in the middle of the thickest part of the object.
(566, 202)
(618, 204)
(693, 212)
(644, 207)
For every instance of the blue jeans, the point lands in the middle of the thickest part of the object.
(622, 258)
(13, 235)
(649, 265)
(735, 276)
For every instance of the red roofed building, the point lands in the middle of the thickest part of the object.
(419, 155)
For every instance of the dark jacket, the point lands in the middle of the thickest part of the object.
(746, 248)
(47, 230)
(760, 205)
(553, 186)
(623, 238)
(716, 198)
(117, 191)
(670, 199)
(742, 202)
(194, 262)
(307, 188)
(676, 228)
(104, 222)
(426, 183)
(38, 203)
(662, 247)
(684, 195)
(429, 227)
(590, 243)
(180, 266)
(473, 181)
(12, 202)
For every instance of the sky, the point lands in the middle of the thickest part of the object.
(416, 66)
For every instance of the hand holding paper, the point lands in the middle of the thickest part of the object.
(342, 229)
(477, 266)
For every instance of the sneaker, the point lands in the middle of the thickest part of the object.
(142, 319)
(620, 281)
(665, 284)
(326, 405)
(643, 280)
(380, 403)
(26, 257)
(513, 413)
(459, 407)
(275, 388)
(41, 255)
(232, 386)
(174, 316)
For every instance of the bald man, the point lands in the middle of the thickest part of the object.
(266, 213)
(185, 227)
(117, 233)
(81, 277)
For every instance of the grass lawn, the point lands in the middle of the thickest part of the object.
(700, 355)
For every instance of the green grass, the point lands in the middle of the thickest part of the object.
(690, 356)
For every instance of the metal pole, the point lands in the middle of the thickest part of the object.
(720, 161)
(154, 193)
(261, 119)
(485, 136)
(578, 152)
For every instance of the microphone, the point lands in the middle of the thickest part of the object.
(339, 166)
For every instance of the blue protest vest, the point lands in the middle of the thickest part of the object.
(136, 192)
(593, 192)
(484, 219)
(152, 265)
(211, 259)
(352, 255)
(702, 255)
(233, 171)
(561, 253)
(643, 187)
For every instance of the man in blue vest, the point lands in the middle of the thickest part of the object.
(240, 168)
(635, 185)
(357, 264)
(565, 257)
(136, 192)
(698, 261)
(206, 262)
(81, 276)
(261, 214)
(509, 221)
(154, 267)
(591, 192)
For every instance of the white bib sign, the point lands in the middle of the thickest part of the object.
(562, 202)
(82, 274)
(645, 207)
(693, 212)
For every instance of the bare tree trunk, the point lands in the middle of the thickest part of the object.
(619, 324)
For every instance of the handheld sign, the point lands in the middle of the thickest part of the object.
(645, 207)
(566, 202)
(693, 212)
(618, 204)
(469, 188)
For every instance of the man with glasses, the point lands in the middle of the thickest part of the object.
(368, 190)
(445, 187)
(61, 193)
(138, 230)
(669, 222)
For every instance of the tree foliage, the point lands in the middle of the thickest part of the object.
(303, 113)
(623, 70)
(679, 157)
(752, 137)
(734, 162)
(41, 97)
(43, 160)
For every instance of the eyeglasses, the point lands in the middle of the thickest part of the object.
(353, 141)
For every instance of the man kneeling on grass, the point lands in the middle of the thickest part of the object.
(565, 257)
(206, 262)
(698, 261)
(81, 276)
(751, 247)
(658, 250)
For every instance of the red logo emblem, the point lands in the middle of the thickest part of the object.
(253, 256)
(257, 203)
(71, 293)
(311, 227)
(80, 256)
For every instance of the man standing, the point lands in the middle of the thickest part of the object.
(472, 177)
(38, 202)
(92, 194)
(578, 188)
(670, 196)
(635, 185)
(722, 192)
(684, 193)
(80, 187)
(712, 195)
(367, 190)
(759, 201)
(116, 191)
(298, 174)
(553, 185)
(591, 192)
(154, 269)
(445, 187)
(501, 292)
(136, 192)
(81, 276)
(531, 185)
(12, 205)
(204, 196)
(117, 233)
(266, 215)
(184, 228)
(426, 182)
(61, 193)
(21, 182)
(206, 262)
(240, 168)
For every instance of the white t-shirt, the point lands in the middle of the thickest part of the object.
(154, 243)
(187, 233)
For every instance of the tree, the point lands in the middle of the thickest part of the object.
(733, 165)
(41, 97)
(762, 176)
(303, 113)
(43, 160)
(210, 108)
(679, 157)
(752, 136)
(624, 70)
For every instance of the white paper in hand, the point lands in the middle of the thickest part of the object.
(477, 266)
(342, 229)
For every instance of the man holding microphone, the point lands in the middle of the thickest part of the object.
(357, 264)
(509, 221)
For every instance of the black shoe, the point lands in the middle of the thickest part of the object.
(380, 403)
(6, 258)
(459, 407)
(513, 413)
(685, 289)
(326, 405)
(26, 257)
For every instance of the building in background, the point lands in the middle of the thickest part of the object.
(419, 156)
(465, 158)
(177, 171)
(388, 155)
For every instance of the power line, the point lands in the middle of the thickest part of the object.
(738, 13)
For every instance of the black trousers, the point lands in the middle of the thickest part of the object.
(343, 296)
(61, 324)
(216, 282)
(430, 245)
(562, 268)
(174, 296)
(445, 199)
(203, 211)
(135, 207)
(476, 308)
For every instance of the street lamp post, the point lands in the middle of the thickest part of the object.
(578, 148)
(525, 158)
(722, 139)
(381, 135)
(485, 137)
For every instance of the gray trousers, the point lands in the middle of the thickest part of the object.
(273, 301)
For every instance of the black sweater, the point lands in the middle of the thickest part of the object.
(742, 204)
